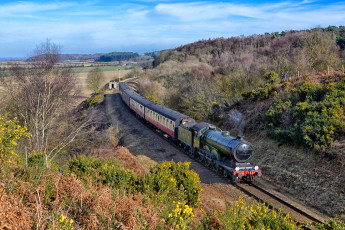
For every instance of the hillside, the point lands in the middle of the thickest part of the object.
(226, 71)
(284, 91)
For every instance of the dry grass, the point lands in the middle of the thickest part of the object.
(309, 177)
(92, 206)
(108, 76)
(13, 214)
(146, 161)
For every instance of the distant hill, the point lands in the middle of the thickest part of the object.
(80, 57)
(154, 54)
(11, 58)
(101, 57)
(75, 57)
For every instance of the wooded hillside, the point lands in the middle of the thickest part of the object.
(117, 56)
(230, 71)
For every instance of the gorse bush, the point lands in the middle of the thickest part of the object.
(168, 180)
(168, 183)
(255, 216)
(271, 77)
(180, 216)
(10, 133)
(106, 171)
(174, 182)
(95, 99)
(36, 160)
(316, 115)
(214, 114)
(262, 93)
(331, 224)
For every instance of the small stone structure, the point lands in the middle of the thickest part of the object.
(112, 85)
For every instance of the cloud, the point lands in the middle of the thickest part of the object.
(205, 11)
(24, 8)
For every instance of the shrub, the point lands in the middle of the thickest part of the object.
(271, 77)
(285, 84)
(36, 160)
(317, 113)
(331, 224)
(152, 98)
(180, 216)
(95, 99)
(275, 112)
(254, 216)
(168, 181)
(174, 182)
(106, 171)
(263, 92)
(95, 78)
(10, 133)
(64, 222)
(214, 114)
(117, 79)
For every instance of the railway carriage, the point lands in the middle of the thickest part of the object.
(215, 148)
(123, 91)
(165, 119)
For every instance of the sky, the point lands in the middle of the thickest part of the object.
(101, 26)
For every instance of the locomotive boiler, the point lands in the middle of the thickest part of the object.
(234, 147)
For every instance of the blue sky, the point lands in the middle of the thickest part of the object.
(147, 25)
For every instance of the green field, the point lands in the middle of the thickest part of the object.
(103, 68)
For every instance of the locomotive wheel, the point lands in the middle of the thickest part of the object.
(215, 167)
(195, 155)
(207, 162)
(190, 152)
(225, 173)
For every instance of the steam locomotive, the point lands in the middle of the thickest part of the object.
(227, 155)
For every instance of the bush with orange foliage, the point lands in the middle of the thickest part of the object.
(13, 214)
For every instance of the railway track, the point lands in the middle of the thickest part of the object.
(271, 198)
(297, 212)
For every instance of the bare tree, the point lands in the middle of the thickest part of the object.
(94, 79)
(39, 94)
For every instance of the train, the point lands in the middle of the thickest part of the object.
(217, 149)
